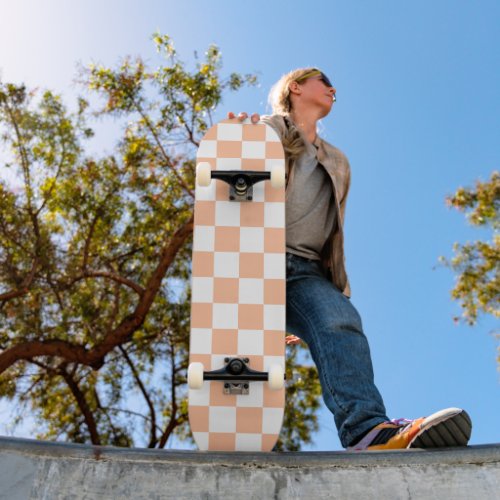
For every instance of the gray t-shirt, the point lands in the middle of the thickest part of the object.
(310, 207)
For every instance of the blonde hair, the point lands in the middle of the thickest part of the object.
(281, 104)
(279, 97)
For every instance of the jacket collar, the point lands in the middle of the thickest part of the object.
(327, 160)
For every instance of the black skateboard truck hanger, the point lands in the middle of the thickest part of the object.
(237, 376)
(240, 182)
(234, 370)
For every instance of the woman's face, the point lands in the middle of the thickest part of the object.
(315, 91)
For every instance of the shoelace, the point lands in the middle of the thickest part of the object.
(402, 423)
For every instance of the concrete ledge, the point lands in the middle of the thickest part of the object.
(36, 469)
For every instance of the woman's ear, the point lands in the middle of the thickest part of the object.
(294, 88)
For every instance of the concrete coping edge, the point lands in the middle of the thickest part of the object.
(477, 454)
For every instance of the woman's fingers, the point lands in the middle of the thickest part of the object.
(292, 340)
(255, 118)
(243, 116)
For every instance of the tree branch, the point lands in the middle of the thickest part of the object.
(89, 238)
(5, 231)
(160, 146)
(173, 422)
(24, 288)
(122, 333)
(114, 277)
(27, 177)
(137, 378)
(82, 404)
(53, 184)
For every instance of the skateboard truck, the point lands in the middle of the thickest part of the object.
(236, 376)
(240, 181)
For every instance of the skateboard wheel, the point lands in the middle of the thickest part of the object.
(278, 176)
(276, 377)
(203, 173)
(195, 376)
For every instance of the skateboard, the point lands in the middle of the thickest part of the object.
(237, 338)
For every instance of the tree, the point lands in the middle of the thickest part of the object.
(477, 264)
(95, 255)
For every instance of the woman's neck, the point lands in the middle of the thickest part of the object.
(306, 122)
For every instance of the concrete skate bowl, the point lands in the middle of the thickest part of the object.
(32, 469)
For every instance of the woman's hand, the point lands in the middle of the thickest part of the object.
(243, 116)
(292, 340)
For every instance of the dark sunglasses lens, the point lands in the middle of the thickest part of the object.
(326, 80)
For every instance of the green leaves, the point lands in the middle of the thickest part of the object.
(477, 264)
(164, 45)
(481, 204)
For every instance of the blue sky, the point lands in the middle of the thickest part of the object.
(418, 115)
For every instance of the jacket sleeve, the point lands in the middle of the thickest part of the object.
(343, 202)
(347, 185)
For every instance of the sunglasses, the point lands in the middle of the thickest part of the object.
(322, 77)
(316, 72)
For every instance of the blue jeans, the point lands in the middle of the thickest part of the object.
(325, 319)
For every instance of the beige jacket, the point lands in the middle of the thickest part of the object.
(337, 166)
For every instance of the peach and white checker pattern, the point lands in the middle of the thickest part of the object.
(238, 290)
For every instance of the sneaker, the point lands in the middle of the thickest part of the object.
(450, 427)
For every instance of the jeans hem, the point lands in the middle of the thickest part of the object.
(347, 437)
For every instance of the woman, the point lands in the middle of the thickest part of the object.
(319, 310)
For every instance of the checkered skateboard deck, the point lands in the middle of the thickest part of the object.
(238, 293)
